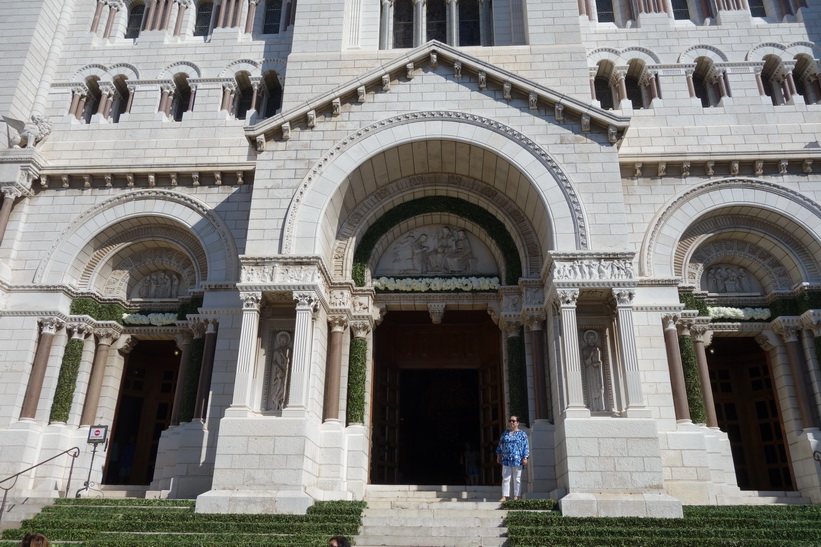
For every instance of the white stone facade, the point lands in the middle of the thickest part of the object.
(599, 163)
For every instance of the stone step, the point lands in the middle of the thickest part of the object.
(434, 512)
(765, 497)
(432, 504)
(390, 541)
(401, 519)
(19, 509)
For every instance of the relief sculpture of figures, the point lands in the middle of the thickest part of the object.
(280, 367)
(592, 359)
(727, 279)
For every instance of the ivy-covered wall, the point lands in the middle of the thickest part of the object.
(192, 380)
(439, 204)
(96, 310)
(517, 377)
(357, 366)
(695, 397)
(66, 381)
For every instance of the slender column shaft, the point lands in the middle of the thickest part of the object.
(184, 343)
(541, 408)
(333, 372)
(759, 83)
(796, 362)
(103, 102)
(298, 392)
(167, 15)
(249, 20)
(221, 17)
(247, 350)
(5, 212)
(691, 88)
(180, 18)
(75, 100)
(622, 88)
(722, 85)
(704, 376)
(38, 369)
(654, 90)
(109, 24)
(149, 15)
(204, 387)
(131, 92)
(571, 356)
(105, 337)
(676, 368)
(95, 22)
(814, 387)
(385, 34)
(81, 106)
(627, 343)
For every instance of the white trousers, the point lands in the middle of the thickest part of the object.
(511, 472)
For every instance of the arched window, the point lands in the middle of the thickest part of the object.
(681, 10)
(757, 8)
(772, 78)
(605, 12)
(123, 102)
(135, 21)
(805, 76)
(436, 27)
(245, 95)
(605, 92)
(272, 101)
(273, 15)
(705, 82)
(470, 32)
(634, 92)
(182, 101)
(403, 24)
(202, 24)
(92, 100)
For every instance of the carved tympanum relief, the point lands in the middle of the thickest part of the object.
(153, 273)
(159, 284)
(729, 279)
(437, 250)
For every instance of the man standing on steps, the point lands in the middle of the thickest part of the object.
(512, 452)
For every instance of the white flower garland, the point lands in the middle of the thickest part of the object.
(437, 284)
(758, 314)
(155, 319)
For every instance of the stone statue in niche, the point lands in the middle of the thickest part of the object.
(593, 371)
(727, 279)
(159, 284)
(280, 370)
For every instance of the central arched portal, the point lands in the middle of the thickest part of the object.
(438, 404)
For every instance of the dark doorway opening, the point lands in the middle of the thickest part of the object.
(143, 412)
(748, 411)
(437, 399)
(438, 423)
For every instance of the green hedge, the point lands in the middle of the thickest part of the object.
(357, 366)
(517, 377)
(439, 204)
(98, 311)
(66, 381)
(530, 505)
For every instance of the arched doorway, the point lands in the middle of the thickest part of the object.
(748, 411)
(438, 395)
(143, 412)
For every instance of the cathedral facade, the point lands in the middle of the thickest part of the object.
(274, 254)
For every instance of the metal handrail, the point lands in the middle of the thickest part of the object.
(74, 456)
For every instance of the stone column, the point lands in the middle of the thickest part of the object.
(699, 332)
(247, 358)
(452, 22)
(106, 89)
(182, 8)
(722, 83)
(303, 334)
(191, 97)
(131, 90)
(534, 323)
(759, 82)
(252, 12)
(674, 365)
(811, 321)
(167, 15)
(789, 334)
(10, 194)
(571, 354)
(620, 86)
(204, 386)
(221, 17)
(255, 95)
(653, 86)
(105, 337)
(95, 22)
(113, 9)
(333, 371)
(386, 25)
(691, 88)
(623, 300)
(184, 344)
(418, 22)
(148, 17)
(48, 328)
(228, 89)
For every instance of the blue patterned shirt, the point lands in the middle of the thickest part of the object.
(513, 447)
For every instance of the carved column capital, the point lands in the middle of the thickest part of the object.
(128, 346)
(184, 339)
(337, 322)
(306, 299)
(436, 311)
(623, 297)
(534, 319)
(251, 300)
(567, 297)
(360, 329)
(669, 320)
(108, 334)
(811, 320)
(765, 342)
(50, 325)
(80, 330)
(788, 329)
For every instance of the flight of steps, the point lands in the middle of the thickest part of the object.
(762, 497)
(432, 516)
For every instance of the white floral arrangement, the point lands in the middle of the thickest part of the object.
(437, 284)
(155, 319)
(746, 314)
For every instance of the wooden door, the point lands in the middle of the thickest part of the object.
(748, 412)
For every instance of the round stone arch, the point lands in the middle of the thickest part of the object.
(67, 259)
(183, 67)
(242, 65)
(760, 51)
(689, 55)
(313, 218)
(665, 242)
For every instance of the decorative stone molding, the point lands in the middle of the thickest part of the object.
(787, 327)
(360, 329)
(149, 179)
(811, 320)
(567, 297)
(250, 300)
(436, 311)
(338, 323)
(107, 332)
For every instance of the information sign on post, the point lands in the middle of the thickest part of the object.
(97, 434)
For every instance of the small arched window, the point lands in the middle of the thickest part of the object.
(469, 23)
(403, 24)
(634, 93)
(705, 82)
(202, 24)
(92, 100)
(605, 93)
(772, 79)
(273, 15)
(605, 12)
(436, 21)
(757, 8)
(182, 97)
(135, 21)
(681, 10)
(272, 101)
(245, 96)
(123, 101)
(805, 76)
